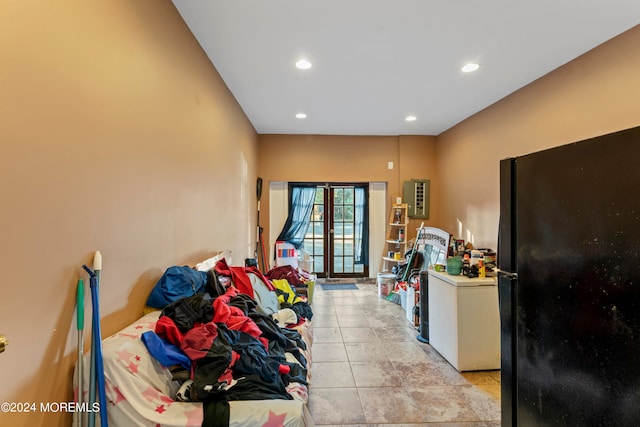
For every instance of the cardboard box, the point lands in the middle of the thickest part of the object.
(286, 254)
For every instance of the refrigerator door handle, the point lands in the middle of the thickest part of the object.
(507, 293)
(507, 274)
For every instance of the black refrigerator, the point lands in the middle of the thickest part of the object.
(569, 284)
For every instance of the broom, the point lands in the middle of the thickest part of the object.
(412, 257)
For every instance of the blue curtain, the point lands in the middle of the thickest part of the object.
(361, 231)
(300, 207)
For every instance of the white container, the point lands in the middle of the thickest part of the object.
(386, 282)
(410, 304)
(476, 256)
(305, 262)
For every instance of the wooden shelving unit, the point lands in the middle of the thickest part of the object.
(396, 241)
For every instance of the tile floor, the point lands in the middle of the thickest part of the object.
(369, 370)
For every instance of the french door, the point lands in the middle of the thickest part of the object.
(338, 234)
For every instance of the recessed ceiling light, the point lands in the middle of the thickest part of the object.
(303, 64)
(411, 118)
(301, 116)
(468, 68)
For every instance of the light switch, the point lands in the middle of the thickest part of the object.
(390, 165)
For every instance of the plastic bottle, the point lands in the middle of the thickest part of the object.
(481, 269)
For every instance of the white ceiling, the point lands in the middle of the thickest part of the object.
(377, 61)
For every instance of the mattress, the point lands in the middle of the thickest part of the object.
(140, 391)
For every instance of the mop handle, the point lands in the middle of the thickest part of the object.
(80, 305)
(80, 327)
(97, 268)
(97, 337)
(91, 419)
(96, 356)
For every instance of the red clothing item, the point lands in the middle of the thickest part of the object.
(233, 317)
(227, 376)
(284, 369)
(167, 329)
(240, 278)
(286, 272)
(199, 340)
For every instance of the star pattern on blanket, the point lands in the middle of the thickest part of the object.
(119, 396)
(153, 395)
(113, 393)
(132, 336)
(150, 394)
(124, 355)
(166, 399)
(275, 420)
(133, 368)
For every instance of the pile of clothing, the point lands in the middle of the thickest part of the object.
(228, 334)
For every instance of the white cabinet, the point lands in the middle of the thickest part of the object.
(464, 320)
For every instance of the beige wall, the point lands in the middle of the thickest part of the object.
(417, 160)
(595, 94)
(328, 158)
(116, 134)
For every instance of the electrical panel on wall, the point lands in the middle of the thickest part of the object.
(416, 195)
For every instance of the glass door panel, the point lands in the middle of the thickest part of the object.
(343, 261)
(332, 239)
(315, 239)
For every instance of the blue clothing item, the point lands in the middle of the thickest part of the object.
(165, 352)
(177, 282)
